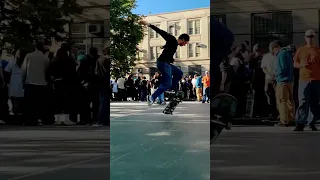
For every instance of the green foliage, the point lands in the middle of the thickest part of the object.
(126, 34)
(21, 22)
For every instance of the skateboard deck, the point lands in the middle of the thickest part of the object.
(174, 101)
(250, 104)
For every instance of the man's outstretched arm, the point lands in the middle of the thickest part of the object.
(166, 36)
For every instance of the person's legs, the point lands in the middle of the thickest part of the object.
(177, 75)
(161, 98)
(104, 108)
(291, 104)
(315, 101)
(304, 100)
(282, 92)
(205, 94)
(166, 83)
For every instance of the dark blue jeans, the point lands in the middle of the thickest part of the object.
(309, 101)
(171, 75)
(104, 108)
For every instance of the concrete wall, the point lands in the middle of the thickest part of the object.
(238, 15)
(182, 17)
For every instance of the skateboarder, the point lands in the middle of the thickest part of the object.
(171, 75)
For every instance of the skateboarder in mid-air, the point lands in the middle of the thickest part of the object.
(171, 75)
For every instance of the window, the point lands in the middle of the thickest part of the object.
(155, 52)
(267, 27)
(194, 27)
(221, 18)
(152, 71)
(197, 50)
(191, 50)
(174, 28)
(194, 69)
(177, 54)
(152, 53)
(194, 50)
(153, 34)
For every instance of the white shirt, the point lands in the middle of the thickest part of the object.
(34, 68)
(194, 81)
(121, 82)
(268, 62)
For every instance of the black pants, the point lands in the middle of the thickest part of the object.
(88, 97)
(36, 97)
(4, 107)
(121, 95)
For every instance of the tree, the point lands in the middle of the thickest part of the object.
(126, 34)
(22, 21)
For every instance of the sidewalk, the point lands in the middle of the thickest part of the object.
(264, 153)
(51, 153)
(147, 144)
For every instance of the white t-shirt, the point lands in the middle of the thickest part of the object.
(121, 82)
(268, 62)
(194, 81)
(16, 84)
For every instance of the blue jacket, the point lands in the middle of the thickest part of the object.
(199, 82)
(284, 66)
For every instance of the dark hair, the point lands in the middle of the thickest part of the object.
(62, 54)
(22, 55)
(93, 51)
(65, 46)
(184, 37)
(40, 42)
(246, 42)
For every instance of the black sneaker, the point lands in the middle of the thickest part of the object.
(313, 127)
(299, 127)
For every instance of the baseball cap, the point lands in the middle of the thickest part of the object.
(310, 32)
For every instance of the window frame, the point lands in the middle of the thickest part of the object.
(194, 26)
(152, 32)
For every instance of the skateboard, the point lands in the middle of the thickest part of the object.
(250, 104)
(222, 110)
(175, 99)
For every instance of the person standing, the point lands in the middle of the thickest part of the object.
(307, 59)
(268, 67)
(206, 87)
(103, 76)
(16, 91)
(199, 87)
(34, 73)
(284, 87)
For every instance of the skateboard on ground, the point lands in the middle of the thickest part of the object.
(222, 109)
(175, 99)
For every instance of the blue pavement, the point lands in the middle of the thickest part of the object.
(147, 144)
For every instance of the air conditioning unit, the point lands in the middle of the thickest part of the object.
(95, 28)
(140, 70)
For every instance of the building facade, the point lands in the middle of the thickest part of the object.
(191, 59)
(261, 21)
(91, 28)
